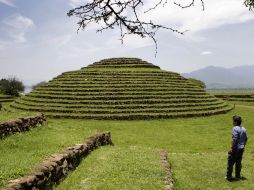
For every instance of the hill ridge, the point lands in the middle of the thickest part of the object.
(220, 77)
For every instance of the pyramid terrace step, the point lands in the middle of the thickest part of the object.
(129, 62)
(110, 93)
(122, 66)
(115, 111)
(125, 106)
(118, 102)
(118, 82)
(103, 89)
(143, 116)
(121, 86)
(120, 97)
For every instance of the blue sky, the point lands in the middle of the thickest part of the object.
(38, 41)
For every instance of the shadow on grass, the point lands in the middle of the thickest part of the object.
(237, 179)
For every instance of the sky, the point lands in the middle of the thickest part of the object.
(38, 41)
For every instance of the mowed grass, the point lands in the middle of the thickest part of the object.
(7, 114)
(207, 171)
(197, 150)
(116, 168)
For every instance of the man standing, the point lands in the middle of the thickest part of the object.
(235, 154)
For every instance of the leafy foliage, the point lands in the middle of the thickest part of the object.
(11, 86)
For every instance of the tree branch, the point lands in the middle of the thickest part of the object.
(109, 14)
(190, 4)
(250, 4)
(123, 14)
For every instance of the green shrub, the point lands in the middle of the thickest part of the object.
(11, 86)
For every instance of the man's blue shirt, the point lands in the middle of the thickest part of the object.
(240, 135)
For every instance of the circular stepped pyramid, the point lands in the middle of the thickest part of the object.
(121, 89)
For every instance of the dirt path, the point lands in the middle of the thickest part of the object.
(165, 164)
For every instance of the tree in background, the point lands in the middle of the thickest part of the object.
(11, 86)
(111, 14)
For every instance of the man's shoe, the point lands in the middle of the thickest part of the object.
(229, 178)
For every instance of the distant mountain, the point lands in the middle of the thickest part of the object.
(220, 77)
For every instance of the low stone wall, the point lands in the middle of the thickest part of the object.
(21, 124)
(57, 166)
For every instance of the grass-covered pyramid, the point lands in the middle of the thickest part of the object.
(121, 88)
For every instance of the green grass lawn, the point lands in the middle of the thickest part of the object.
(197, 150)
(133, 167)
(11, 114)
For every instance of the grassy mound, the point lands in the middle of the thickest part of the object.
(121, 89)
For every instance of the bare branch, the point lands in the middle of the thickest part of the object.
(250, 4)
(163, 2)
(112, 13)
(123, 14)
(190, 4)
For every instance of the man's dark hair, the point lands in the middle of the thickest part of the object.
(237, 119)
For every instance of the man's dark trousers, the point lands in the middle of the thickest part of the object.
(235, 157)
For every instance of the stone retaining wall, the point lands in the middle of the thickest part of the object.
(57, 166)
(20, 124)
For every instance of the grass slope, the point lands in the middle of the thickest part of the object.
(197, 150)
(11, 114)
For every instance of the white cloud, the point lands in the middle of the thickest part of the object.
(76, 3)
(206, 53)
(19, 22)
(17, 26)
(8, 2)
(217, 13)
